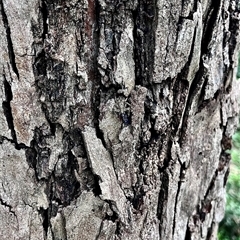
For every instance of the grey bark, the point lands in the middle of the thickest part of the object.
(116, 117)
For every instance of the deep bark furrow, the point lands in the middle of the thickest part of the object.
(163, 195)
(6, 105)
(210, 231)
(9, 40)
(231, 41)
(211, 186)
(213, 15)
(188, 234)
(200, 80)
(97, 88)
(175, 208)
(45, 222)
(145, 19)
(45, 19)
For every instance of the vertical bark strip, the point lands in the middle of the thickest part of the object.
(116, 117)
(9, 40)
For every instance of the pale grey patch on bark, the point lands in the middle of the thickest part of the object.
(83, 219)
(20, 197)
(101, 164)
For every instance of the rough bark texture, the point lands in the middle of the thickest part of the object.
(115, 117)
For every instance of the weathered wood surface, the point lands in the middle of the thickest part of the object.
(115, 117)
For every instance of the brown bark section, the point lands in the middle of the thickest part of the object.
(116, 117)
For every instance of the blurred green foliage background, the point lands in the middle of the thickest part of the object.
(229, 228)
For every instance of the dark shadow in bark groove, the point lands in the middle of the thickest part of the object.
(231, 42)
(8, 206)
(114, 217)
(188, 234)
(96, 110)
(210, 24)
(65, 186)
(145, 23)
(195, 86)
(44, 11)
(44, 213)
(96, 187)
(211, 185)
(7, 108)
(137, 201)
(163, 195)
(31, 157)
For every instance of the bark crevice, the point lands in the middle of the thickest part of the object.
(212, 16)
(145, 21)
(5, 204)
(44, 11)
(194, 88)
(45, 221)
(7, 107)
(183, 169)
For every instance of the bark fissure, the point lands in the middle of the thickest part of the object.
(98, 87)
(183, 170)
(210, 23)
(45, 19)
(62, 183)
(96, 187)
(200, 81)
(205, 103)
(45, 224)
(188, 234)
(226, 144)
(7, 107)
(163, 195)
(181, 91)
(115, 216)
(231, 41)
(211, 185)
(5, 204)
(185, 100)
(210, 231)
(194, 88)
(145, 20)
(9, 40)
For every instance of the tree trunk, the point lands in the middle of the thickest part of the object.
(116, 117)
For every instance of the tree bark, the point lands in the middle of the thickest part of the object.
(116, 117)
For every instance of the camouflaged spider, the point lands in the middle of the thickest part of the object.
(123, 109)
